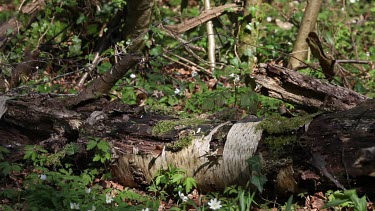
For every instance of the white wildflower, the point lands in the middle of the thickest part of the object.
(43, 177)
(108, 198)
(214, 204)
(88, 190)
(183, 197)
(269, 19)
(74, 206)
(237, 79)
(133, 75)
(368, 54)
(194, 73)
(146, 209)
(352, 1)
(177, 91)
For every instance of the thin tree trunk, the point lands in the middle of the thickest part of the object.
(300, 48)
(211, 38)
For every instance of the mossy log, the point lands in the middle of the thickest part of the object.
(214, 152)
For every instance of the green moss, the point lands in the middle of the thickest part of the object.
(180, 144)
(280, 124)
(279, 144)
(159, 109)
(165, 126)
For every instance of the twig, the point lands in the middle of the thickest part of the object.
(89, 69)
(188, 61)
(178, 62)
(353, 61)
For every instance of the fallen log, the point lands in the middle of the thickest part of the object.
(311, 93)
(213, 152)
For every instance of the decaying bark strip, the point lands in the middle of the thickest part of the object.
(291, 86)
(202, 18)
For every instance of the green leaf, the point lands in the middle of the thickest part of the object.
(104, 67)
(81, 18)
(255, 163)
(92, 29)
(289, 204)
(157, 51)
(96, 158)
(64, 171)
(258, 181)
(91, 145)
(189, 183)
(235, 62)
(335, 202)
(176, 178)
(5, 168)
(103, 146)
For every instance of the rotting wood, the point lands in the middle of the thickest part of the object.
(202, 18)
(217, 154)
(291, 86)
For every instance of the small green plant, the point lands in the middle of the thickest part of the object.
(257, 177)
(347, 198)
(37, 154)
(170, 182)
(101, 147)
(6, 167)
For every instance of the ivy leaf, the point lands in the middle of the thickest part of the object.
(258, 181)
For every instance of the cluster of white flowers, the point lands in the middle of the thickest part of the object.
(74, 206)
(177, 91)
(133, 75)
(88, 190)
(43, 177)
(236, 77)
(183, 197)
(213, 204)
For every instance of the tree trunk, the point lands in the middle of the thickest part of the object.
(300, 48)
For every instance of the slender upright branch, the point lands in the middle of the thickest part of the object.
(211, 38)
